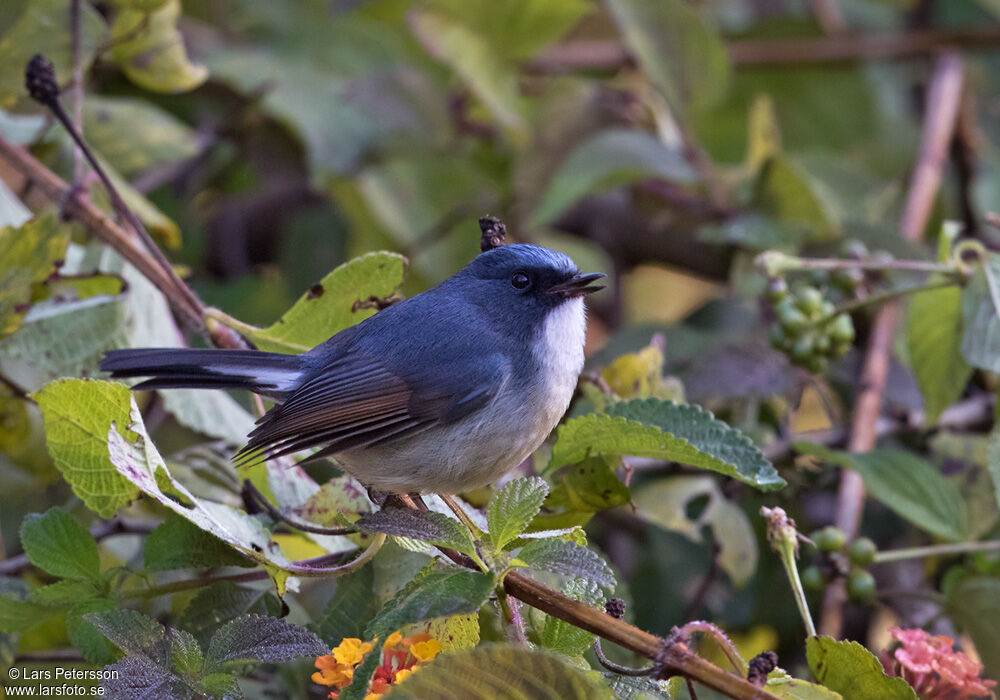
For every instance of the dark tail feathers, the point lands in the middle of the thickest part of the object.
(272, 374)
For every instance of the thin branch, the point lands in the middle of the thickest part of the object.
(100, 531)
(941, 108)
(253, 494)
(77, 49)
(936, 550)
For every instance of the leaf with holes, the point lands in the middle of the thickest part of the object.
(665, 430)
(346, 296)
(512, 508)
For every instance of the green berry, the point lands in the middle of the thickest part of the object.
(813, 579)
(829, 539)
(861, 552)
(791, 319)
(860, 586)
(854, 249)
(822, 344)
(827, 309)
(841, 329)
(810, 301)
(777, 290)
(802, 350)
(847, 280)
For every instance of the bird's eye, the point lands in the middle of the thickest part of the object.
(520, 280)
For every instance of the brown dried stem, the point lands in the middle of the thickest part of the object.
(941, 108)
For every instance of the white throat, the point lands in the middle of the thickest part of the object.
(559, 346)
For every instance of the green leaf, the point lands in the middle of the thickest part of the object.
(665, 430)
(43, 27)
(665, 503)
(569, 559)
(222, 685)
(17, 615)
(608, 159)
(563, 637)
(180, 544)
(261, 638)
(784, 686)
(86, 638)
(789, 194)
(78, 414)
(484, 73)
(134, 633)
(914, 490)
(65, 592)
(430, 594)
(139, 677)
(435, 528)
(28, 255)
(142, 465)
(981, 316)
(223, 601)
(350, 609)
(149, 48)
(853, 671)
(186, 658)
(588, 487)
(682, 56)
(134, 135)
(57, 544)
(975, 605)
(341, 299)
(933, 336)
(500, 671)
(512, 508)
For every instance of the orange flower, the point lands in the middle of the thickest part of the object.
(400, 658)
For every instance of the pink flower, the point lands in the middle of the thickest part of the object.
(934, 669)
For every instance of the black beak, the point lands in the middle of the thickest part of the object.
(577, 285)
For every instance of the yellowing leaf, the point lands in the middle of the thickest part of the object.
(78, 414)
(763, 135)
(28, 255)
(344, 297)
(150, 49)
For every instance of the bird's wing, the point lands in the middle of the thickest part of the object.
(355, 401)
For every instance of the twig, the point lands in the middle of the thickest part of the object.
(935, 550)
(254, 495)
(76, 49)
(942, 103)
(829, 16)
(102, 530)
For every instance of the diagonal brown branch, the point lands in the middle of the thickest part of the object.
(942, 103)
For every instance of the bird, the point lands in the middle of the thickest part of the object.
(443, 392)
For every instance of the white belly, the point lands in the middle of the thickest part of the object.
(481, 448)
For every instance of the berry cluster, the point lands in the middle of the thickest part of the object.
(807, 327)
(837, 559)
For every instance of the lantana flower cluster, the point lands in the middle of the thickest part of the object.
(934, 669)
(401, 656)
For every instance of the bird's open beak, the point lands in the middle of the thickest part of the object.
(577, 285)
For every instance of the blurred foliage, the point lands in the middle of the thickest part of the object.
(306, 163)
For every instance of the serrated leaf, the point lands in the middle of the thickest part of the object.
(78, 414)
(853, 671)
(561, 557)
(484, 73)
(351, 608)
(588, 487)
(608, 159)
(975, 605)
(261, 638)
(222, 685)
(435, 528)
(934, 336)
(142, 465)
(149, 48)
(669, 431)
(513, 672)
(34, 31)
(563, 637)
(86, 638)
(178, 543)
(65, 592)
(512, 508)
(186, 658)
(341, 299)
(914, 490)
(455, 632)
(28, 255)
(665, 503)
(981, 316)
(134, 633)
(432, 593)
(138, 678)
(222, 601)
(57, 544)
(682, 56)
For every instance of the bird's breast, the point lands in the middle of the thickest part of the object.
(558, 350)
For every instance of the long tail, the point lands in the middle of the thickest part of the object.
(271, 374)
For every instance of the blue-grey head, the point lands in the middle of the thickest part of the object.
(526, 282)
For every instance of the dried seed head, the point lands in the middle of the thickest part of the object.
(40, 79)
(494, 233)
